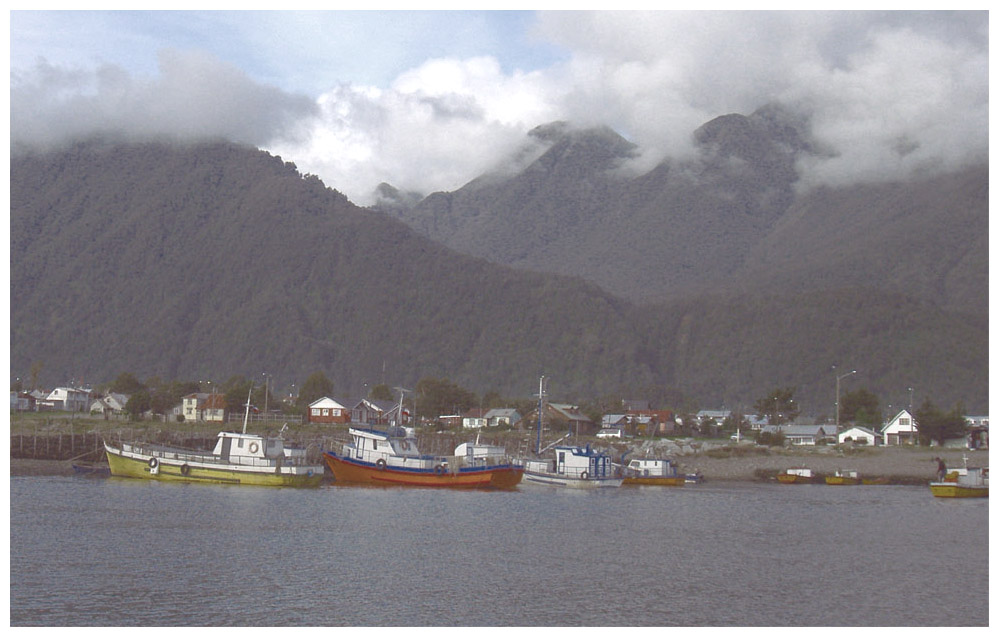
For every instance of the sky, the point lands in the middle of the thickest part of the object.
(429, 100)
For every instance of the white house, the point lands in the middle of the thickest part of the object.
(69, 399)
(328, 411)
(860, 436)
(209, 407)
(901, 429)
(475, 418)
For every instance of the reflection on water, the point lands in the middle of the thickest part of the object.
(124, 552)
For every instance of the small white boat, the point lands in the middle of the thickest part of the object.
(573, 467)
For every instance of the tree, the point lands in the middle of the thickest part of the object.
(933, 424)
(127, 384)
(861, 407)
(381, 393)
(436, 397)
(778, 406)
(316, 386)
(138, 403)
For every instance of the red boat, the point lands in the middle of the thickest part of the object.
(390, 457)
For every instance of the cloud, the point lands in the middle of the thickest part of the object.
(887, 95)
(194, 97)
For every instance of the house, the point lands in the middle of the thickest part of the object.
(860, 436)
(717, 416)
(979, 431)
(561, 417)
(73, 400)
(21, 401)
(110, 404)
(328, 411)
(797, 435)
(474, 418)
(901, 429)
(204, 407)
(502, 416)
(371, 411)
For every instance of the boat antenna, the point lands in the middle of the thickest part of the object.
(246, 415)
(541, 404)
(399, 411)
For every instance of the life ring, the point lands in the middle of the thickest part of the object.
(380, 464)
(439, 470)
(584, 475)
(153, 462)
(254, 447)
(185, 469)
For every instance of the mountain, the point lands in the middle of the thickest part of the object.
(205, 261)
(733, 220)
(214, 260)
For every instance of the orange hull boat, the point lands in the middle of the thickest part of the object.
(360, 472)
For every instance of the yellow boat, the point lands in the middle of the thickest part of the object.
(796, 476)
(238, 458)
(843, 478)
(963, 482)
(652, 472)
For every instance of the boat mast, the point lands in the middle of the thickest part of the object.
(541, 405)
(399, 411)
(246, 415)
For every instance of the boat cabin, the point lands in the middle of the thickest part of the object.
(231, 445)
(652, 468)
(479, 454)
(371, 445)
(574, 461)
(800, 472)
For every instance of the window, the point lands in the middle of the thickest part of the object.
(904, 421)
(315, 412)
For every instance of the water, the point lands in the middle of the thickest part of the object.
(90, 552)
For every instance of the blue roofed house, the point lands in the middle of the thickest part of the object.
(803, 435)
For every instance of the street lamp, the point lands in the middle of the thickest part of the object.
(840, 377)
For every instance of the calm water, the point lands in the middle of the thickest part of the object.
(124, 552)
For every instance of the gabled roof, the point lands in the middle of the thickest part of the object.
(502, 412)
(570, 412)
(326, 402)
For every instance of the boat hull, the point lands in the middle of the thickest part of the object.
(842, 481)
(953, 489)
(563, 481)
(124, 465)
(655, 481)
(785, 478)
(349, 471)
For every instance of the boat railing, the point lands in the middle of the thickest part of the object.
(190, 456)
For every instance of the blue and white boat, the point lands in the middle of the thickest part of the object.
(573, 467)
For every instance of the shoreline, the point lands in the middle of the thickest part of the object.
(901, 465)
